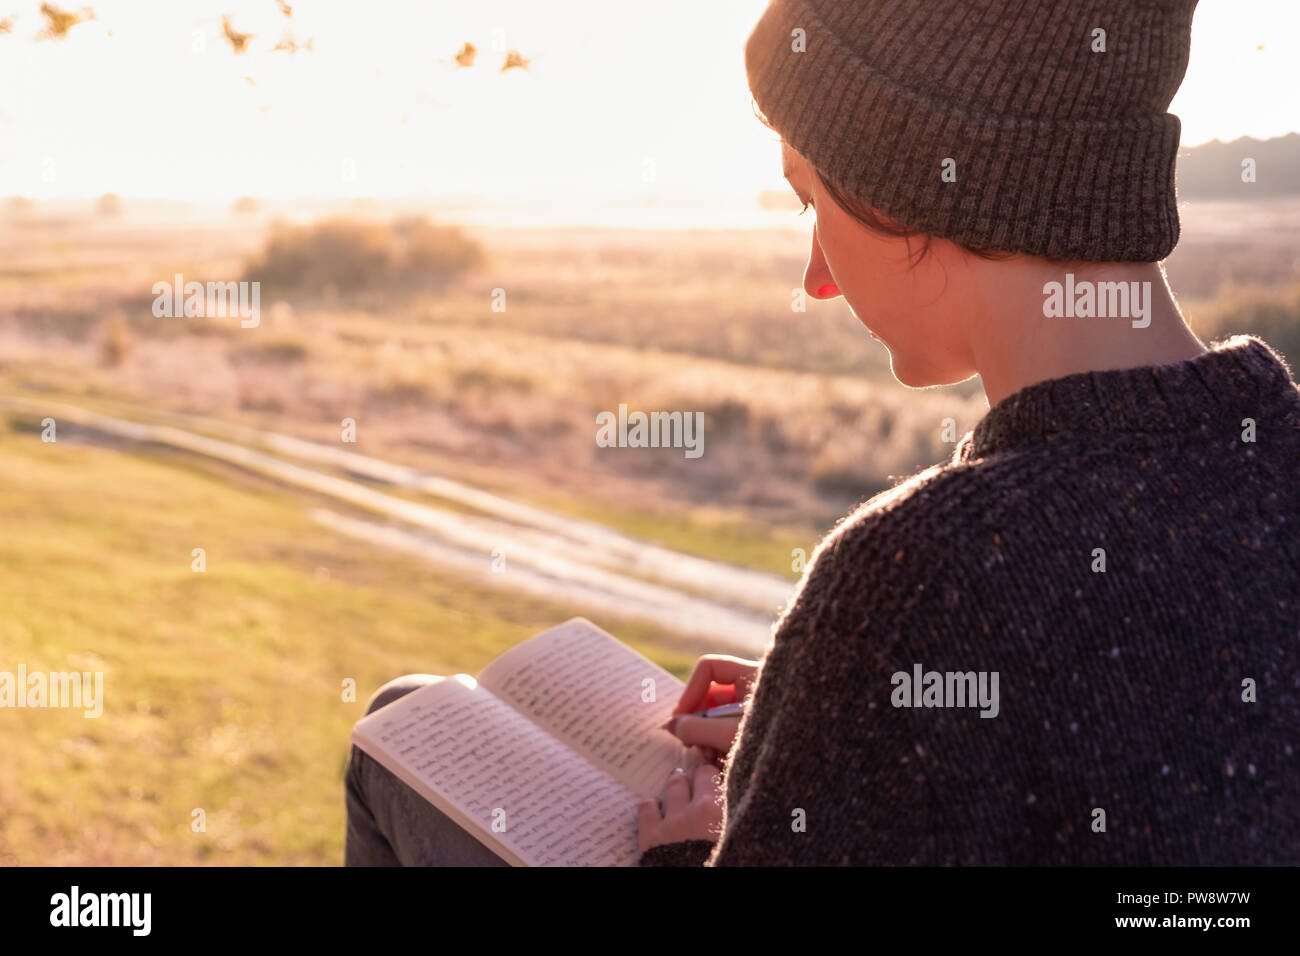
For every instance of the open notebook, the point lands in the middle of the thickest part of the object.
(545, 756)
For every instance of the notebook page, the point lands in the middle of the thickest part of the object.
(585, 688)
(479, 761)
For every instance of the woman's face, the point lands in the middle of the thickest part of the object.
(913, 307)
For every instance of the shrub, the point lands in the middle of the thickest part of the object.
(110, 205)
(246, 206)
(349, 256)
(283, 351)
(115, 342)
(1273, 314)
(337, 253)
(433, 252)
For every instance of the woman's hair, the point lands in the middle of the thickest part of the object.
(873, 219)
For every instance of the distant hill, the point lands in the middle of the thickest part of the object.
(1213, 170)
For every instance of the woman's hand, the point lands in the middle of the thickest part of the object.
(717, 679)
(692, 809)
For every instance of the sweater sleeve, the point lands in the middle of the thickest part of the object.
(825, 770)
(837, 776)
(687, 853)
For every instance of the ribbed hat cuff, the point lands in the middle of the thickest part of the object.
(1099, 190)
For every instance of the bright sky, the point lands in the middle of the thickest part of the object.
(617, 93)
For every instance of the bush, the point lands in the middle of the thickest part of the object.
(283, 351)
(1272, 314)
(348, 256)
(338, 253)
(110, 205)
(115, 342)
(433, 251)
(246, 206)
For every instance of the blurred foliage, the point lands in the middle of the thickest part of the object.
(347, 255)
(110, 204)
(58, 21)
(246, 206)
(115, 342)
(1272, 313)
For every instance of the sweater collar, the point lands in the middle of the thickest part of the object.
(1241, 377)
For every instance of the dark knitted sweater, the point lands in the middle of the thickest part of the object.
(1120, 691)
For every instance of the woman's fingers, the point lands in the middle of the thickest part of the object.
(692, 809)
(706, 801)
(715, 732)
(707, 783)
(677, 792)
(647, 815)
(714, 669)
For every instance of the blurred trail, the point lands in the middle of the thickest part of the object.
(546, 554)
(723, 626)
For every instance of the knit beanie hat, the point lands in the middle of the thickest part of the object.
(1029, 126)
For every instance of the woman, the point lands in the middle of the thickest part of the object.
(1075, 642)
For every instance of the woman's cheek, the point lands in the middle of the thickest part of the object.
(871, 325)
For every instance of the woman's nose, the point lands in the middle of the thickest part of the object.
(817, 280)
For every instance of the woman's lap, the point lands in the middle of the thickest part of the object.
(389, 824)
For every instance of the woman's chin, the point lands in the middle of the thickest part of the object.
(912, 373)
(910, 369)
(923, 374)
(904, 373)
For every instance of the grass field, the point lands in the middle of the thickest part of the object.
(223, 689)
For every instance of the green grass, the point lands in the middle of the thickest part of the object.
(222, 689)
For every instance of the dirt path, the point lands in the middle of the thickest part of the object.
(505, 543)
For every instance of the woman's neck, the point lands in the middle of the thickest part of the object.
(1039, 320)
